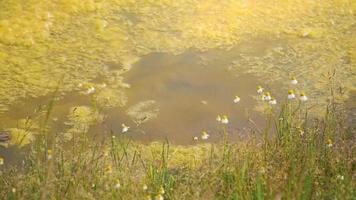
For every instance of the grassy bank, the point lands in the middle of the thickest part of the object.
(294, 157)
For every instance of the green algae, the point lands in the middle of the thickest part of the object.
(80, 119)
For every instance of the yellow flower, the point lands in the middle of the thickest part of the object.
(145, 187)
(329, 142)
(2, 160)
(13, 190)
(148, 197)
(259, 89)
(108, 169)
(49, 154)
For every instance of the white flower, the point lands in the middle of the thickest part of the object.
(218, 118)
(161, 190)
(224, 120)
(340, 177)
(144, 187)
(291, 94)
(49, 154)
(329, 143)
(302, 97)
(267, 96)
(125, 128)
(237, 99)
(117, 185)
(259, 89)
(195, 138)
(293, 80)
(91, 90)
(159, 197)
(205, 135)
(273, 101)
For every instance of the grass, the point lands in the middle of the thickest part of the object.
(294, 157)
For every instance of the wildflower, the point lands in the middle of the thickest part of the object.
(273, 101)
(108, 169)
(80, 85)
(237, 99)
(93, 185)
(267, 96)
(159, 197)
(195, 138)
(117, 184)
(218, 118)
(224, 120)
(103, 85)
(106, 152)
(301, 132)
(2, 160)
(291, 94)
(144, 187)
(302, 97)
(161, 190)
(293, 80)
(91, 90)
(49, 154)
(329, 143)
(340, 177)
(259, 89)
(113, 137)
(125, 128)
(148, 197)
(204, 102)
(205, 135)
(13, 190)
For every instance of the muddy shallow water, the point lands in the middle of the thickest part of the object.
(188, 91)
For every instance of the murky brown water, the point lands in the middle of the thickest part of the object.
(189, 90)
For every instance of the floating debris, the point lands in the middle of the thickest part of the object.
(143, 111)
